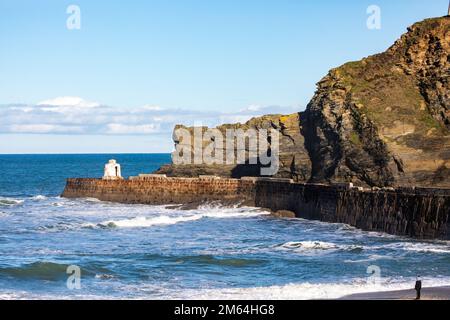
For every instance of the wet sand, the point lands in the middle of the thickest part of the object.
(434, 293)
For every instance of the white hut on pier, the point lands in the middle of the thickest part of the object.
(112, 171)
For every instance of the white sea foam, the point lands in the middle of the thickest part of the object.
(371, 258)
(147, 222)
(293, 291)
(316, 246)
(10, 201)
(57, 204)
(192, 215)
(310, 245)
(306, 291)
(25, 295)
(39, 197)
(95, 200)
(104, 276)
(12, 296)
(424, 247)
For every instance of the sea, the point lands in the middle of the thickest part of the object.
(56, 248)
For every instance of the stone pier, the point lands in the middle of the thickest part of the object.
(414, 212)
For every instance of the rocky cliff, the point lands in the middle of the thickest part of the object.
(294, 158)
(381, 121)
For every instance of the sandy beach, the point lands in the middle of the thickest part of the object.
(434, 293)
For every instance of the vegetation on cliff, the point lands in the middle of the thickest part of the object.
(384, 120)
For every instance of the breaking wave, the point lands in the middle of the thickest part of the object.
(315, 245)
(318, 246)
(37, 270)
(371, 258)
(8, 202)
(307, 291)
(52, 271)
(210, 260)
(205, 212)
(419, 247)
(39, 197)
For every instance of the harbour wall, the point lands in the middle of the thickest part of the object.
(413, 212)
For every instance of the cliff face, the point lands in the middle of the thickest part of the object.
(384, 120)
(294, 158)
(381, 121)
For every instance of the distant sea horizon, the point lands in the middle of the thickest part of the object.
(81, 153)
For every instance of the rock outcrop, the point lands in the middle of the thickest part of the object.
(293, 156)
(382, 121)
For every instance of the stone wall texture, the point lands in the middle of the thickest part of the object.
(414, 212)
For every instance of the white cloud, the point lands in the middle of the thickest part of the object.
(151, 108)
(253, 107)
(67, 105)
(72, 115)
(44, 128)
(69, 102)
(23, 109)
(117, 128)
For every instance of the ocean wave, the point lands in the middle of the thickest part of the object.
(58, 204)
(318, 246)
(164, 217)
(60, 226)
(421, 247)
(306, 291)
(218, 261)
(222, 213)
(310, 245)
(93, 200)
(371, 258)
(8, 202)
(398, 247)
(204, 260)
(290, 291)
(39, 197)
(37, 270)
(26, 295)
(104, 276)
(146, 222)
(52, 271)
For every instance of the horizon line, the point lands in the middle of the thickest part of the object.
(83, 153)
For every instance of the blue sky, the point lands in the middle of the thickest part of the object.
(170, 61)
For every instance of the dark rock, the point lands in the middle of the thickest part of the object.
(284, 214)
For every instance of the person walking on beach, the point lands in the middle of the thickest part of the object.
(418, 287)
